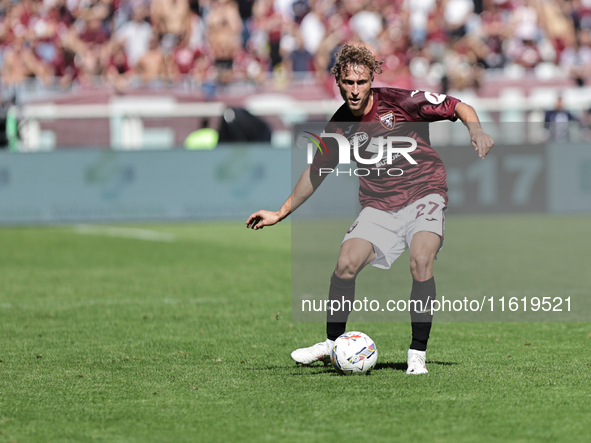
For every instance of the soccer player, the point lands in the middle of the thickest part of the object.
(398, 211)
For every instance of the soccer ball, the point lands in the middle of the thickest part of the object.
(354, 353)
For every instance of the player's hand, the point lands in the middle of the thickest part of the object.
(260, 219)
(482, 143)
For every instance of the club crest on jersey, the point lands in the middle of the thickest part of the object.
(387, 120)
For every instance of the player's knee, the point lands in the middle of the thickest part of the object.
(347, 267)
(421, 267)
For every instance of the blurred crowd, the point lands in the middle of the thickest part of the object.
(157, 42)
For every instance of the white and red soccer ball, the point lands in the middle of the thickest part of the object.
(354, 353)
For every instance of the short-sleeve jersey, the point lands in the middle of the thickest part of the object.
(395, 112)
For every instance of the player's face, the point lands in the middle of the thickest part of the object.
(356, 89)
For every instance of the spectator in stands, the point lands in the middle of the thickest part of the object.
(267, 27)
(312, 27)
(245, 11)
(581, 12)
(222, 41)
(296, 58)
(94, 33)
(492, 32)
(457, 13)
(556, 121)
(19, 63)
(436, 38)
(526, 53)
(170, 20)
(286, 8)
(124, 10)
(152, 68)
(418, 13)
(42, 32)
(367, 23)
(557, 24)
(64, 66)
(88, 10)
(522, 48)
(577, 59)
(135, 35)
(336, 35)
(524, 21)
(196, 37)
(94, 50)
(118, 72)
(393, 44)
(223, 33)
(183, 58)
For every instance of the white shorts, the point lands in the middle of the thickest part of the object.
(391, 232)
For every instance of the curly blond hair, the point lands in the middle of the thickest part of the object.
(350, 55)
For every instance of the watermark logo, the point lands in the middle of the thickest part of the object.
(316, 143)
(386, 150)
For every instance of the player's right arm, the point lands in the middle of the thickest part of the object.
(305, 187)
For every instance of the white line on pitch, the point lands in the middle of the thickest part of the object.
(115, 231)
(87, 303)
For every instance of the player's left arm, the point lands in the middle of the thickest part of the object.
(481, 141)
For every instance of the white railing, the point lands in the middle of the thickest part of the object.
(126, 114)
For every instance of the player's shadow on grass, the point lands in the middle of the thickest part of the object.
(404, 367)
(329, 369)
(301, 370)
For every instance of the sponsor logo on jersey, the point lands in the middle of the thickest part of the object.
(434, 97)
(361, 137)
(413, 93)
(384, 162)
(387, 120)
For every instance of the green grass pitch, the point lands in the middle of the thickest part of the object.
(105, 338)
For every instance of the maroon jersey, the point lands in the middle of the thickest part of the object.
(395, 112)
